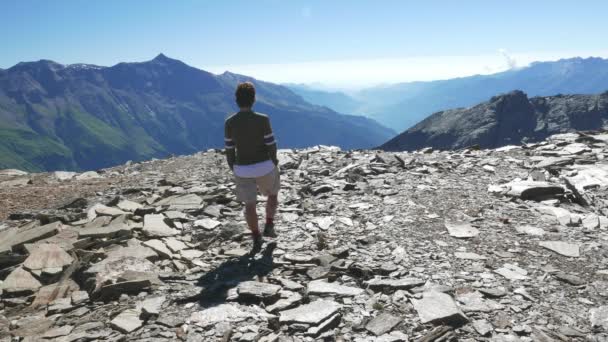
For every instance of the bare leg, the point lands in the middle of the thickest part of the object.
(271, 206)
(251, 216)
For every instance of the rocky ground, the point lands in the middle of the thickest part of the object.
(470, 245)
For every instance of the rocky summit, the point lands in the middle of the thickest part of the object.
(508, 244)
(511, 118)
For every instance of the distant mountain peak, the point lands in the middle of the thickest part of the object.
(163, 59)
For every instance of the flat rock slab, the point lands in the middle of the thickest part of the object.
(483, 327)
(324, 222)
(156, 226)
(152, 305)
(11, 238)
(111, 230)
(382, 324)
(58, 331)
(129, 206)
(255, 289)
(174, 244)
(103, 210)
(313, 313)
(562, 248)
(159, 247)
(563, 216)
(227, 313)
(47, 258)
(469, 256)
(529, 230)
(474, 302)
(395, 284)
(512, 272)
(20, 281)
(285, 302)
(439, 308)
(530, 190)
(461, 230)
(88, 175)
(127, 321)
(599, 317)
(322, 287)
(190, 254)
(183, 202)
(207, 223)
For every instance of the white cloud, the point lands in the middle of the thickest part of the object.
(365, 72)
(511, 62)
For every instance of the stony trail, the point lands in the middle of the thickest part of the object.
(470, 245)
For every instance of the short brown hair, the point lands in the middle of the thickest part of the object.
(245, 94)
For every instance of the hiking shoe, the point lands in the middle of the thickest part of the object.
(269, 230)
(257, 244)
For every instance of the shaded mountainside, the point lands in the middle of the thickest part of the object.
(506, 119)
(87, 117)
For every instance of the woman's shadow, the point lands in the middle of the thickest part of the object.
(232, 272)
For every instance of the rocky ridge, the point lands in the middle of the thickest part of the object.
(471, 245)
(506, 119)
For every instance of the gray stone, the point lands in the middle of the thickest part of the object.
(12, 172)
(226, 313)
(129, 206)
(329, 323)
(313, 313)
(438, 308)
(512, 272)
(562, 248)
(529, 230)
(207, 223)
(469, 256)
(79, 297)
(151, 306)
(322, 287)
(255, 289)
(530, 190)
(395, 284)
(64, 175)
(127, 321)
(58, 331)
(474, 302)
(382, 324)
(88, 175)
(563, 216)
(174, 244)
(324, 222)
(20, 281)
(47, 258)
(190, 254)
(60, 305)
(599, 317)
(288, 300)
(159, 247)
(483, 327)
(103, 210)
(184, 202)
(96, 229)
(15, 237)
(155, 225)
(461, 230)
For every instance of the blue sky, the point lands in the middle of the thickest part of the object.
(337, 43)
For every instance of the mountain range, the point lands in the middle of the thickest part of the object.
(402, 105)
(82, 117)
(506, 119)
